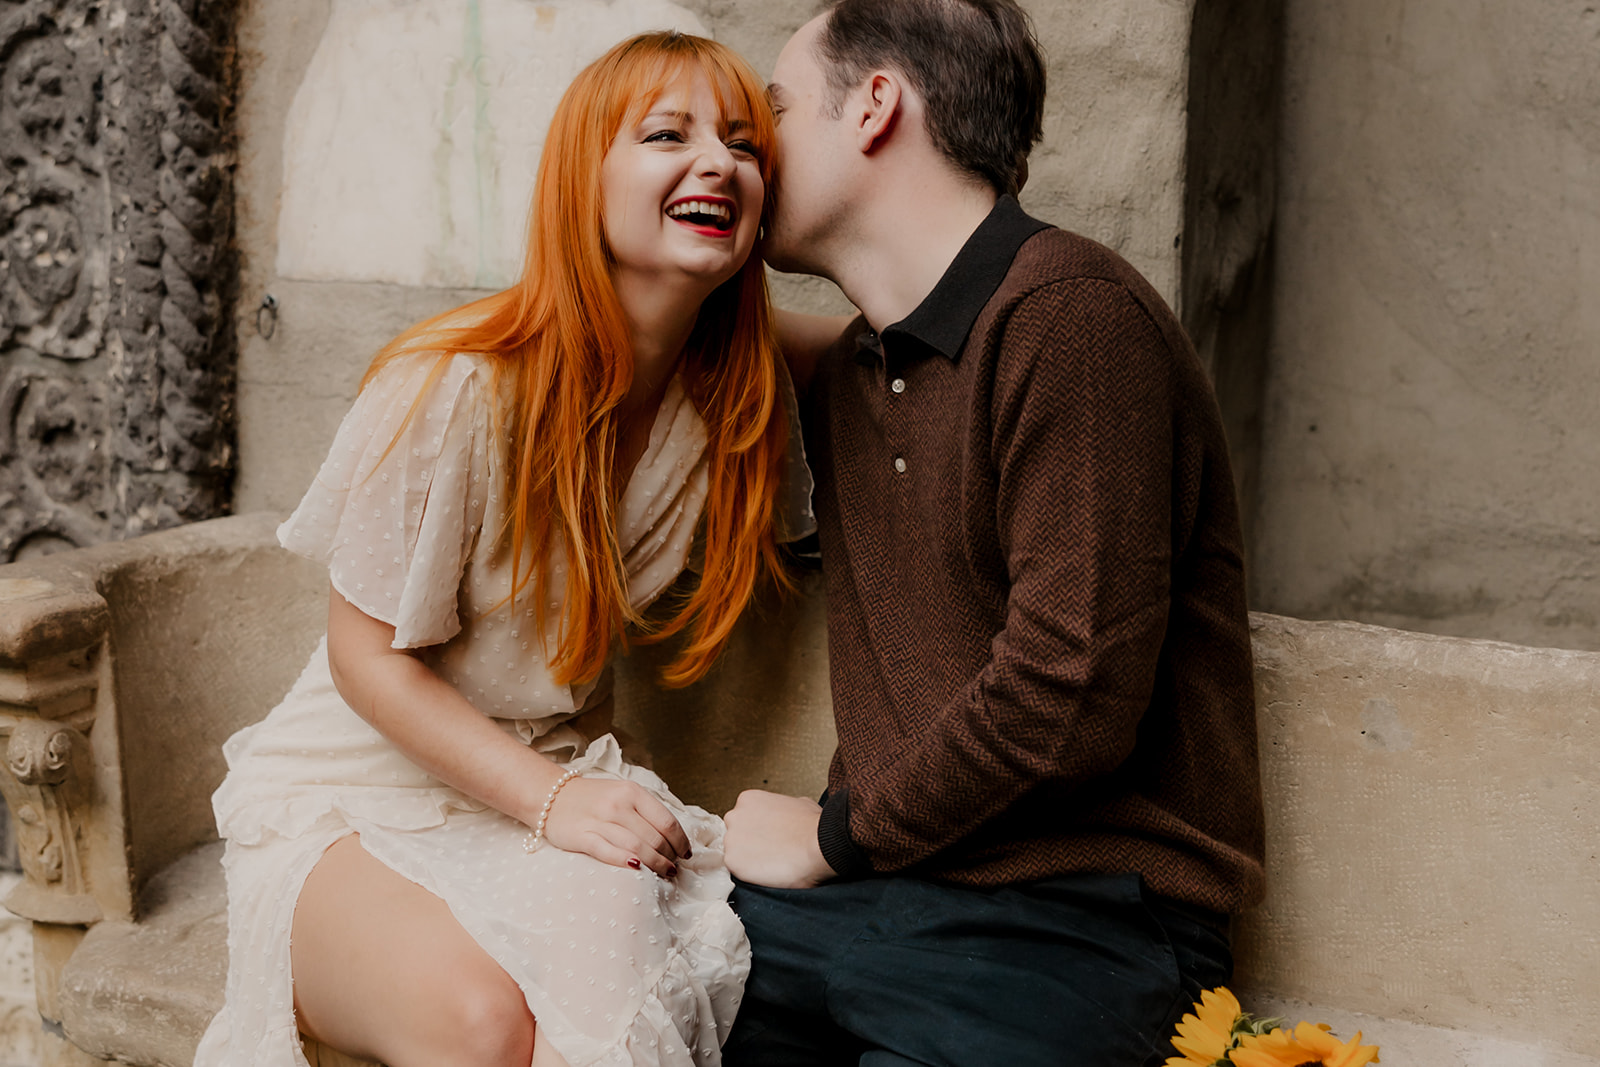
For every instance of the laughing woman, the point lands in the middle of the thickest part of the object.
(436, 852)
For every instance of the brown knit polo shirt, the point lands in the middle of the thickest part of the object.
(1036, 617)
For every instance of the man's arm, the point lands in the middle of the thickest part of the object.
(1083, 451)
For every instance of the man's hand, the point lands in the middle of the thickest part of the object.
(772, 841)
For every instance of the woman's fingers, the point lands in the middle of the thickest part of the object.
(635, 808)
(595, 844)
(615, 822)
(628, 845)
(662, 821)
(647, 836)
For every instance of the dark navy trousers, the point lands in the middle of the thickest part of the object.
(1086, 970)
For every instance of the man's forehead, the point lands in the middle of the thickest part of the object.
(798, 51)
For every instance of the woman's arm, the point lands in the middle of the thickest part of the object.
(441, 732)
(803, 339)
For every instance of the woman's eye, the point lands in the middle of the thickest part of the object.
(743, 148)
(664, 136)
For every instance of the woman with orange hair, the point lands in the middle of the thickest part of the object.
(436, 852)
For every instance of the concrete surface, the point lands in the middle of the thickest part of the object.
(1433, 831)
(435, 114)
(1431, 439)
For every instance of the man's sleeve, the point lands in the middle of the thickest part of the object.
(1082, 445)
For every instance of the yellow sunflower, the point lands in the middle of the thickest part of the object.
(1307, 1046)
(1206, 1036)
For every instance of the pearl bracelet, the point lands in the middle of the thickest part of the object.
(533, 840)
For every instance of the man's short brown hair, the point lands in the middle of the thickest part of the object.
(975, 63)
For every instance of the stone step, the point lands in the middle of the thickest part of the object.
(19, 1013)
(144, 992)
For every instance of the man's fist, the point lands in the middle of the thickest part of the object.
(772, 841)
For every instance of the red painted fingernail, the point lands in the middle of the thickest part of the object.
(633, 862)
(688, 853)
(672, 870)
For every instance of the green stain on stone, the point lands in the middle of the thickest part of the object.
(483, 165)
(469, 73)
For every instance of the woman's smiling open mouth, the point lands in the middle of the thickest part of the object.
(713, 214)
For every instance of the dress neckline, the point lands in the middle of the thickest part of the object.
(676, 445)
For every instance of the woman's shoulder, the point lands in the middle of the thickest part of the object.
(433, 371)
(428, 388)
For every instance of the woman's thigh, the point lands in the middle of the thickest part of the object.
(383, 970)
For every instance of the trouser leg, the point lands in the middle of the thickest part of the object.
(1088, 970)
(796, 937)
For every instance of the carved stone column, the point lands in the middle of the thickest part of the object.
(60, 776)
(116, 268)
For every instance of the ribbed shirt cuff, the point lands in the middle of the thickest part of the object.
(833, 837)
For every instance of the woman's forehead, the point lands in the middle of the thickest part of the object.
(677, 91)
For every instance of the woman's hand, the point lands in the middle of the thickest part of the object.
(616, 822)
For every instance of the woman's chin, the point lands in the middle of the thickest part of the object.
(711, 274)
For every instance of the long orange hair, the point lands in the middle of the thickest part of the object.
(560, 350)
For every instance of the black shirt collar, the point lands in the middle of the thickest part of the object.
(945, 316)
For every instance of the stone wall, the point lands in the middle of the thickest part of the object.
(116, 360)
(387, 150)
(1431, 437)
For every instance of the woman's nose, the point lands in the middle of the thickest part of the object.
(716, 159)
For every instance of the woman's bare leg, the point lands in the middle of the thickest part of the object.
(383, 970)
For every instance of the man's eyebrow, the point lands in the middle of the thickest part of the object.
(774, 90)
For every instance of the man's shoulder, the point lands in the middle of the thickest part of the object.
(1063, 278)
(1054, 257)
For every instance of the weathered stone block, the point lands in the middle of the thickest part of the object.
(1433, 830)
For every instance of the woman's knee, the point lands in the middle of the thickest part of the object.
(491, 1019)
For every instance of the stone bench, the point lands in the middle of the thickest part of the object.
(1433, 807)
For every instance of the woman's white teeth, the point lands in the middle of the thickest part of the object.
(699, 207)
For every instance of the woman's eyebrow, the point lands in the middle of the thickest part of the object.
(688, 118)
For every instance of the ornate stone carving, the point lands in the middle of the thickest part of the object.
(46, 784)
(40, 752)
(46, 91)
(116, 268)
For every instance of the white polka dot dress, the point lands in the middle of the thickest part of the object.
(619, 967)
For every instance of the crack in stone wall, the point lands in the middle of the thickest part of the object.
(117, 271)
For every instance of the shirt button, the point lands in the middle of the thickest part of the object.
(898, 385)
(900, 464)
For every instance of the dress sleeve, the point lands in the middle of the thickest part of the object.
(398, 505)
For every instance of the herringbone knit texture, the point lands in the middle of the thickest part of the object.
(1039, 650)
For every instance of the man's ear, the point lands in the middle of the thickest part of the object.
(880, 100)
